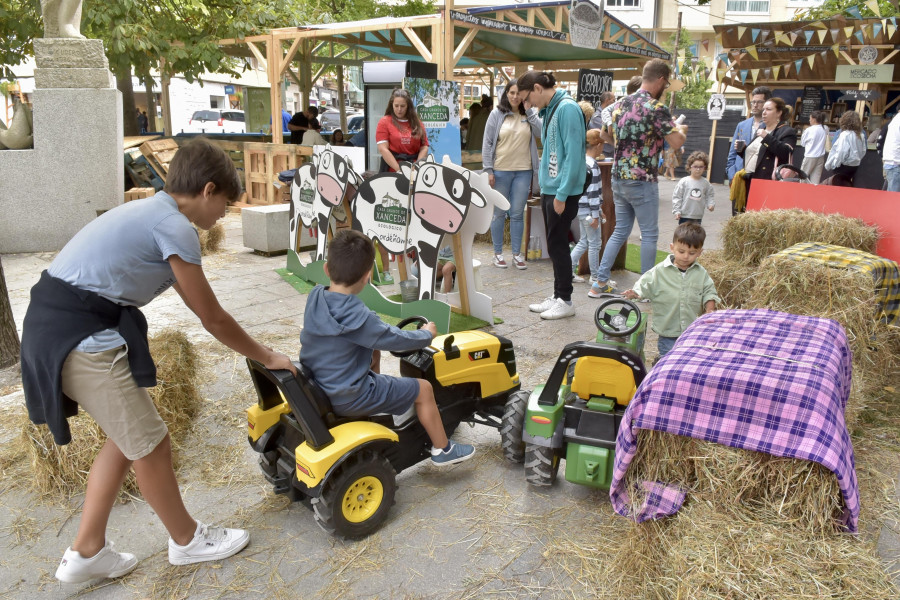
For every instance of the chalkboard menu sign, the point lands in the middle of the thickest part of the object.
(591, 84)
(812, 101)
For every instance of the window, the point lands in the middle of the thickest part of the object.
(747, 6)
(623, 3)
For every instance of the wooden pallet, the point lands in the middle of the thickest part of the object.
(159, 154)
(137, 193)
(263, 162)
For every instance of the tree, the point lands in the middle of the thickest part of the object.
(693, 74)
(9, 339)
(830, 8)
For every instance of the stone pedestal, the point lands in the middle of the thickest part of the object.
(266, 229)
(76, 169)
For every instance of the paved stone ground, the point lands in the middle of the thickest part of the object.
(473, 531)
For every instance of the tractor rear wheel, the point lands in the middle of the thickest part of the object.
(512, 426)
(541, 465)
(356, 499)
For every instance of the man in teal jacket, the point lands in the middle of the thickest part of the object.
(562, 178)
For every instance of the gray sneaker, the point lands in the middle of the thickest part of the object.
(209, 543)
(543, 305)
(456, 454)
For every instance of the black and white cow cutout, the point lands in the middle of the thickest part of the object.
(318, 188)
(403, 216)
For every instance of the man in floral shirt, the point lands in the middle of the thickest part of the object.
(641, 123)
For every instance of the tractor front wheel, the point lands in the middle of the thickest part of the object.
(512, 425)
(541, 465)
(356, 499)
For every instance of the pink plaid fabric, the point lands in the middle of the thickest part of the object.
(753, 379)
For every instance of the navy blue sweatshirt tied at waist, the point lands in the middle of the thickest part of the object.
(59, 317)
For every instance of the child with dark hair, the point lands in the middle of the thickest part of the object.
(340, 341)
(679, 287)
(84, 345)
(694, 193)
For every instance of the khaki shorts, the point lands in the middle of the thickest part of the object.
(102, 385)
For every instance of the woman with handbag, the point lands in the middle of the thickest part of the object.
(847, 152)
(772, 144)
(814, 142)
(510, 158)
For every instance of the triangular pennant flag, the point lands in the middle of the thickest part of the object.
(859, 36)
(797, 64)
(820, 25)
(786, 67)
(793, 38)
(764, 34)
(822, 33)
(741, 31)
(808, 35)
(719, 39)
(876, 29)
(891, 29)
(705, 44)
(743, 73)
(779, 36)
(836, 49)
(848, 31)
(873, 6)
(721, 74)
(853, 11)
(775, 71)
(894, 21)
(767, 73)
(751, 50)
(754, 73)
(811, 59)
(834, 34)
(755, 33)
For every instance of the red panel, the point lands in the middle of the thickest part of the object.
(875, 207)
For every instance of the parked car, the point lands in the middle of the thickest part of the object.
(216, 121)
(355, 124)
(330, 118)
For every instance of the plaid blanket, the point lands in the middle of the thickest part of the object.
(753, 379)
(885, 273)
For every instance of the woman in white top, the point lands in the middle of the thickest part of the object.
(509, 157)
(848, 150)
(813, 142)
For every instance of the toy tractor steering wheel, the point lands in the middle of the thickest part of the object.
(422, 322)
(615, 324)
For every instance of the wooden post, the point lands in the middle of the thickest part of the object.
(273, 58)
(166, 104)
(675, 60)
(341, 106)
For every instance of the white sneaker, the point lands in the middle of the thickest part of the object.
(108, 563)
(560, 310)
(499, 262)
(209, 543)
(519, 262)
(577, 279)
(543, 305)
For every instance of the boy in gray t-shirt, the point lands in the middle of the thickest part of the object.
(84, 345)
(693, 192)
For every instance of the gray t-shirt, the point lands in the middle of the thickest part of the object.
(123, 256)
(691, 196)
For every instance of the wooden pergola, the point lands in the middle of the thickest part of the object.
(794, 54)
(475, 42)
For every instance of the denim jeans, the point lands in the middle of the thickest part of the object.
(514, 185)
(591, 241)
(664, 345)
(633, 200)
(892, 176)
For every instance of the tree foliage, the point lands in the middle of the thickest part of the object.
(830, 8)
(695, 77)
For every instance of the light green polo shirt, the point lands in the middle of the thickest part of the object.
(678, 298)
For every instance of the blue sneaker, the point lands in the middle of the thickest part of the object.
(456, 454)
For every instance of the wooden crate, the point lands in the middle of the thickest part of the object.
(159, 154)
(263, 162)
(139, 192)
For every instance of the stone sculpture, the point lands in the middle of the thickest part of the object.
(18, 136)
(62, 18)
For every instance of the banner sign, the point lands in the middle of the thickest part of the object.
(860, 95)
(812, 100)
(636, 51)
(864, 74)
(437, 104)
(508, 27)
(591, 84)
(715, 108)
(585, 24)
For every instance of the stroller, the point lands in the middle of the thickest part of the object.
(795, 174)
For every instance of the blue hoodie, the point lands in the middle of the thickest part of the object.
(338, 337)
(563, 168)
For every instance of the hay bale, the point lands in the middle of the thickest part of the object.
(733, 280)
(211, 239)
(750, 237)
(61, 471)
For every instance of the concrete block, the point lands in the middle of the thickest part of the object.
(59, 53)
(49, 79)
(266, 228)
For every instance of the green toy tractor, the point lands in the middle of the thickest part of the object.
(576, 414)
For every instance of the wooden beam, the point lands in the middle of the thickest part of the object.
(417, 43)
(508, 15)
(539, 13)
(289, 57)
(272, 52)
(889, 56)
(259, 56)
(464, 45)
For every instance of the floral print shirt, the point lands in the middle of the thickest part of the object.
(641, 124)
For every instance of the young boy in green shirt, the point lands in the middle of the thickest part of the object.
(678, 287)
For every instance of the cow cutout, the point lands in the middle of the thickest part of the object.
(317, 191)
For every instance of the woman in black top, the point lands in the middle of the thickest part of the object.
(774, 140)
